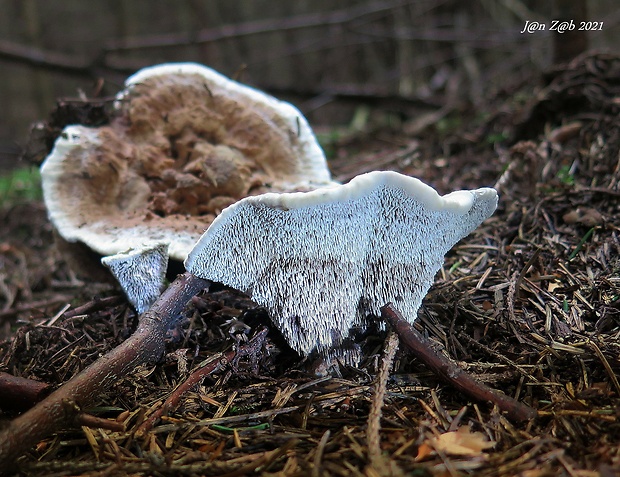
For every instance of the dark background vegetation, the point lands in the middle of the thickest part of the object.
(326, 56)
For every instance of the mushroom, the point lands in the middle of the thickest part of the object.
(322, 261)
(141, 271)
(183, 143)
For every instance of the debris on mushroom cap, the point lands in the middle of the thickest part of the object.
(140, 272)
(184, 142)
(322, 261)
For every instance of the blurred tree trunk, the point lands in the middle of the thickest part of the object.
(41, 84)
(571, 43)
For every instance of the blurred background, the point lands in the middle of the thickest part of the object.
(329, 57)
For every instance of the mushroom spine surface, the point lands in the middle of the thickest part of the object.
(322, 261)
(141, 273)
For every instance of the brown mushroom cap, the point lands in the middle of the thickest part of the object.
(185, 143)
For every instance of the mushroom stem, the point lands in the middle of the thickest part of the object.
(450, 372)
(62, 407)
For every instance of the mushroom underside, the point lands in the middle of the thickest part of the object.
(321, 262)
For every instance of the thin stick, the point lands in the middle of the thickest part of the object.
(318, 456)
(450, 372)
(606, 365)
(61, 408)
(20, 393)
(89, 420)
(212, 365)
(374, 415)
(34, 305)
(95, 305)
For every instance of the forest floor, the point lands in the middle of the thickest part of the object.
(529, 303)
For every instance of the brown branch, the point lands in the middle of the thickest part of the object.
(270, 25)
(212, 365)
(62, 408)
(69, 64)
(53, 60)
(33, 305)
(20, 393)
(450, 372)
(107, 61)
(88, 420)
(94, 305)
(373, 428)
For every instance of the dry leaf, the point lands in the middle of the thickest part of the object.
(566, 132)
(424, 451)
(462, 442)
(587, 216)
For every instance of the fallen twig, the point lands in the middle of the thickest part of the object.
(374, 415)
(318, 455)
(35, 305)
(20, 393)
(94, 305)
(213, 364)
(612, 375)
(450, 372)
(88, 420)
(62, 407)
(380, 465)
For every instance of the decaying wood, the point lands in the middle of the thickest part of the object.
(61, 408)
(94, 305)
(88, 420)
(450, 372)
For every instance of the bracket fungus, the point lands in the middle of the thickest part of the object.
(183, 142)
(322, 261)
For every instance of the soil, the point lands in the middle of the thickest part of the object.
(529, 304)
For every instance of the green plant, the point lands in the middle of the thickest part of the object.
(448, 125)
(496, 137)
(20, 185)
(329, 140)
(565, 175)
